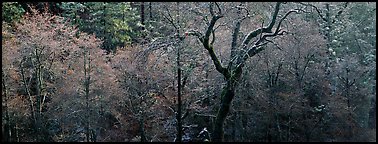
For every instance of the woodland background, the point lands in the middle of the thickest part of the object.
(143, 71)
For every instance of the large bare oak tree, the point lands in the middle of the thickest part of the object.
(240, 52)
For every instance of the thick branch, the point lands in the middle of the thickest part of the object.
(268, 29)
(255, 48)
(209, 47)
(212, 10)
(219, 9)
(197, 34)
(213, 35)
(235, 34)
(209, 30)
(317, 10)
(274, 16)
(218, 65)
(283, 18)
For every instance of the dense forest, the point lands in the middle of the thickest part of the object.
(188, 71)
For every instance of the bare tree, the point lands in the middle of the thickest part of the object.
(233, 71)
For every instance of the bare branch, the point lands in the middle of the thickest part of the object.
(283, 18)
(273, 44)
(206, 115)
(277, 73)
(308, 57)
(51, 60)
(268, 29)
(172, 109)
(255, 49)
(317, 10)
(185, 114)
(197, 34)
(211, 9)
(259, 45)
(235, 33)
(219, 9)
(213, 36)
(209, 47)
(274, 16)
(216, 62)
(342, 78)
(244, 8)
(224, 24)
(214, 19)
(252, 51)
(170, 19)
(262, 24)
(340, 12)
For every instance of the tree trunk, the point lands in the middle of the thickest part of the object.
(142, 132)
(38, 73)
(179, 102)
(227, 95)
(150, 9)
(106, 43)
(86, 84)
(234, 128)
(7, 130)
(142, 14)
